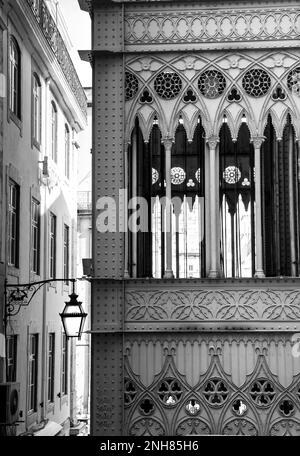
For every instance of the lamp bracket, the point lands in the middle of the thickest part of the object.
(21, 295)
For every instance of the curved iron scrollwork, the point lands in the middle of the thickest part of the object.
(18, 296)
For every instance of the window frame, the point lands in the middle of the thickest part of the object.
(15, 78)
(66, 250)
(53, 245)
(13, 212)
(51, 368)
(36, 110)
(33, 364)
(54, 131)
(35, 227)
(64, 366)
(67, 151)
(12, 357)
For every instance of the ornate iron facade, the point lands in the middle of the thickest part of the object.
(191, 356)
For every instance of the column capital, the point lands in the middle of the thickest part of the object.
(167, 142)
(212, 142)
(257, 141)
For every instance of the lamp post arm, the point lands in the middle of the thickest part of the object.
(17, 295)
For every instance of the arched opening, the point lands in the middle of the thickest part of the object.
(147, 181)
(237, 203)
(280, 202)
(188, 184)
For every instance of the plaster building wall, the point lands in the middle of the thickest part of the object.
(24, 162)
(173, 355)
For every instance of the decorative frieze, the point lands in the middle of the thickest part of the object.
(244, 304)
(221, 25)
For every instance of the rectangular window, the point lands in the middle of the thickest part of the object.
(52, 266)
(51, 366)
(67, 151)
(64, 373)
(54, 131)
(35, 236)
(33, 373)
(66, 253)
(13, 224)
(36, 108)
(11, 349)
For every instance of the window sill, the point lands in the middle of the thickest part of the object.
(13, 271)
(16, 120)
(50, 407)
(64, 399)
(31, 418)
(36, 144)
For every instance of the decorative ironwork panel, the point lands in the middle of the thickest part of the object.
(198, 25)
(215, 402)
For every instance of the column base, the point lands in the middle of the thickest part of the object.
(126, 275)
(213, 274)
(259, 274)
(169, 274)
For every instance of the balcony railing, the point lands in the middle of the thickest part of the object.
(54, 38)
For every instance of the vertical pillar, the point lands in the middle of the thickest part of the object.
(168, 226)
(214, 198)
(134, 195)
(257, 142)
(125, 215)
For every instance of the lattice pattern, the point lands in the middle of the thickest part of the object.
(232, 175)
(168, 85)
(131, 85)
(256, 82)
(155, 176)
(293, 81)
(178, 176)
(212, 83)
(216, 405)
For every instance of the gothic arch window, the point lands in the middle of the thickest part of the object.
(188, 184)
(147, 179)
(280, 202)
(236, 176)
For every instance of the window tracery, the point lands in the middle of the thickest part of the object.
(293, 81)
(131, 85)
(256, 82)
(212, 83)
(168, 85)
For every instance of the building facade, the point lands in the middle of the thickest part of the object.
(43, 109)
(195, 316)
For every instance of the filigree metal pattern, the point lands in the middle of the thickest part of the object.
(240, 427)
(193, 426)
(155, 176)
(131, 85)
(293, 81)
(147, 426)
(170, 392)
(168, 85)
(215, 391)
(232, 175)
(178, 176)
(256, 82)
(179, 304)
(204, 26)
(212, 83)
(262, 392)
